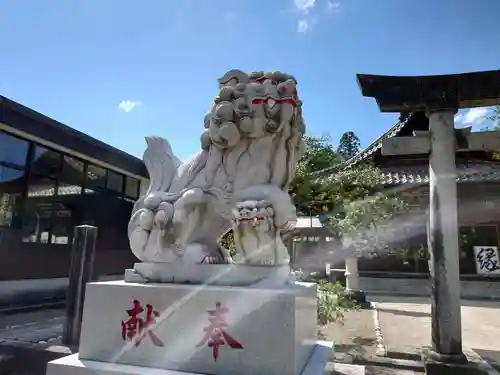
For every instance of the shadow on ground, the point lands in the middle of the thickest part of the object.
(490, 356)
(407, 355)
(416, 314)
(25, 360)
(357, 347)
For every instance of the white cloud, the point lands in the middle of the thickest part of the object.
(472, 117)
(310, 12)
(304, 6)
(333, 5)
(302, 26)
(128, 105)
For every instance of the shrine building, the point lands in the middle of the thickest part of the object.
(478, 189)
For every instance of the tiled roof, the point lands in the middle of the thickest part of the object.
(377, 144)
(420, 174)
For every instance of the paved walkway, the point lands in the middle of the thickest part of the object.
(406, 325)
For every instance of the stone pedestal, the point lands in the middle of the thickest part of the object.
(260, 330)
(209, 274)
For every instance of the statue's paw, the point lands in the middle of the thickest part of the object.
(146, 219)
(164, 214)
(154, 200)
(197, 253)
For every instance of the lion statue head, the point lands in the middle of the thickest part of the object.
(253, 132)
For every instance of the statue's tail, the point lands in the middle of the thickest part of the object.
(161, 164)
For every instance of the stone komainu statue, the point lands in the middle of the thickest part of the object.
(239, 180)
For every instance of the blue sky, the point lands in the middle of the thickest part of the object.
(122, 70)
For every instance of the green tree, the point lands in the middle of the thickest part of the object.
(360, 207)
(319, 158)
(348, 145)
(351, 201)
(227, 242)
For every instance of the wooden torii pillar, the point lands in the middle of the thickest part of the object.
(440, 97)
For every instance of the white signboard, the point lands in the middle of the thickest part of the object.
(487, 260)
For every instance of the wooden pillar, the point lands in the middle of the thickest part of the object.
(81, 272)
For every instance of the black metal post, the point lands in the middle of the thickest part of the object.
(80, 273)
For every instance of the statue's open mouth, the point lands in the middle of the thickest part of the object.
(252, 211)
(255, 218)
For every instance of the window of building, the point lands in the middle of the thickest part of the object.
(13, 150)
(10, 175)
(96, 177)
(46, 162)
(37, 215)
(486, 235)
(41, 187)
(114, 181)
(11, 188)
(131, 187)
(73, 171)
(45, 220)
(65, 189)
(71, 177)
(61, 224)
(37, 221)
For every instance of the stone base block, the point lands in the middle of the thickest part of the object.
(72, 365)
(452, 365)
(200, 328)
(209, 274)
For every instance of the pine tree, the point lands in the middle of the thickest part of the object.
(348, 145)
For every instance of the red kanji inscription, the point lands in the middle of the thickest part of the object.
(216, 334)
(135, 328)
